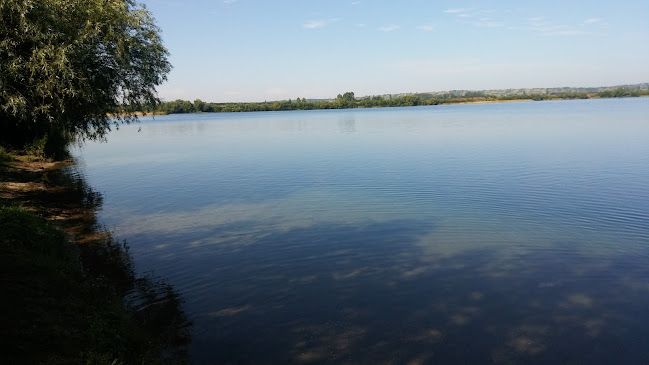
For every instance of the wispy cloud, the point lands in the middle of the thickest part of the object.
(389, 28)
(592, 21)
(544, 26)
(487, 18)
(482, 18)
(455, 11)
(314, 24)
(360, 25)
(230, 1)
(426, 27)
(595, 21)
(355, 2)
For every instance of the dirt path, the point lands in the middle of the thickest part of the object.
(44, 188)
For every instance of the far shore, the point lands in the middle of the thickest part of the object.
(186, 107)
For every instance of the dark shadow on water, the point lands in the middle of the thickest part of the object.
(155, 304)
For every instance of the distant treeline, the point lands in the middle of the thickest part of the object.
(349, 101)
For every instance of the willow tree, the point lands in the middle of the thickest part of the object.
(65, 64)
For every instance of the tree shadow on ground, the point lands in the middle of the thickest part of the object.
(60, 195)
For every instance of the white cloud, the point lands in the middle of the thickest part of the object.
(360, 25)
(355, 2)
(595, 22)
(455, 11)
(592, 21)
(389, 28)
(314, 24)
(547, 27)
(426, 27)
(230, 1)
(482, 18)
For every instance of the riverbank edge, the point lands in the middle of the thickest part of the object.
(136, 114)
(409, 100)
(66, 278)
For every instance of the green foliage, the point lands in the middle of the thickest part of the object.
(5, 157)
(54, 145)
(199, 105)
(64, 64)
(474, 94)
(41, 290)
(178, 107)
(622, 93)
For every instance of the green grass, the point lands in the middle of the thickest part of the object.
(56, 312)
(5, 157)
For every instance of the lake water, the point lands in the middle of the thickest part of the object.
(463, 234)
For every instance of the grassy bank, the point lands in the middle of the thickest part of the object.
(70, 292)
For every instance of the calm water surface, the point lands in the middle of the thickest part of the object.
(467, 234)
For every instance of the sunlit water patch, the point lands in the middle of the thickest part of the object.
(497, 233)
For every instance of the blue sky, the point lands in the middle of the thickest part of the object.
(253, 50)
